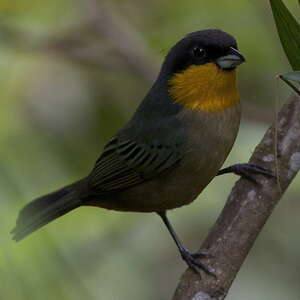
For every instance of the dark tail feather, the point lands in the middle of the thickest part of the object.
(45, 209)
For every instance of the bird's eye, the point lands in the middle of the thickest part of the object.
(199, 52)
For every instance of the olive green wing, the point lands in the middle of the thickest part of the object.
(125, 163)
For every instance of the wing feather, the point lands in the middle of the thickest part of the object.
(126, 163)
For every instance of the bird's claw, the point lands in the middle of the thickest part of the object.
(194, 264)
(247, 171)
(202, 253)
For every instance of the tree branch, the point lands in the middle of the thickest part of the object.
(247, 209)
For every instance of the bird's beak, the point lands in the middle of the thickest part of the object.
(230, 61)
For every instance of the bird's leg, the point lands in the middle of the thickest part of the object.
(189, 257)
(247, 171)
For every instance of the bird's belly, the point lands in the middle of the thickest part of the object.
(173, 188)
(206, 150)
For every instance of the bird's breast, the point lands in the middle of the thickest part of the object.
(205, 87)
(210, 137)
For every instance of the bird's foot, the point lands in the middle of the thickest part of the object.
(191, 260)
(247, 171)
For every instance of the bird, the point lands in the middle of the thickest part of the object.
(170, 150)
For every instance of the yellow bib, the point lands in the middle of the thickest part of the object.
(205, 87)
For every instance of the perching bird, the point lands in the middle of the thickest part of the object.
(174, 145)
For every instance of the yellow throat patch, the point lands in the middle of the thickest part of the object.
(205, 87)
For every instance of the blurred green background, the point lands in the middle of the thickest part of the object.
(71, 73)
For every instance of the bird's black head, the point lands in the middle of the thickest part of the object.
(202, 47)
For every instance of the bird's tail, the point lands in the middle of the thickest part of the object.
(45, 209)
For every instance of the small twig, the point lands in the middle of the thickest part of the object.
(276, 162)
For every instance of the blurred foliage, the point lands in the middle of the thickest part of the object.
(293, 76)
(289, 32)
(65, 89)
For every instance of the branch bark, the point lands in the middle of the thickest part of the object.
(247, 209)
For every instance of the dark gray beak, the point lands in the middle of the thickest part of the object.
(230, 61)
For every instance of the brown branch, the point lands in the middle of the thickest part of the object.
(247, 209)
